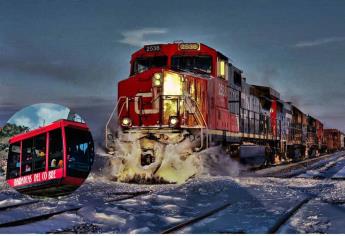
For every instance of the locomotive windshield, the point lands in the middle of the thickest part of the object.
(197, 64)
(145, 63)
(79, 152)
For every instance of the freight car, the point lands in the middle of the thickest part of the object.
(189, 91)
(334, 140)
(314, 136)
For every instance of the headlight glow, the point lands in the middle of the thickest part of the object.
(126, 122)
(173, 121)
(157, 79)
(172, 84)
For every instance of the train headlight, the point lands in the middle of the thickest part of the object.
(172, 84)
(157, 80)
(126, 122)
(173, 121)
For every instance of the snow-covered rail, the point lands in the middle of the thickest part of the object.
(285, 217)
(27, 220)
(206, 204)
(58, 210)
(9, 206)
(323, 163)
(195, 219)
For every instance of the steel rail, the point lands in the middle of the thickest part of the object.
(284, 218)
(3, 208)
(284, 171)
(194, 219)
(46, 216)
(37, 218)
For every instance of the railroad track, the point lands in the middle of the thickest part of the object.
(336, 203)
(285, 217)
(295, 169)
(329, 163)
(45, 216)
(29, 202)
(193, 220)
(322, 164)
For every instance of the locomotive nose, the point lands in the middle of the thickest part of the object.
(147, 157)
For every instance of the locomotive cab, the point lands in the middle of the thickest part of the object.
(163, 91)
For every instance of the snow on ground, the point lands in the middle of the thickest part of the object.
(9, 202)
(55, 223)
(317, 217)
(256, 203)
(326, 169)
(340, 174)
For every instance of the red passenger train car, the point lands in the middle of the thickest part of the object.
(51, 160)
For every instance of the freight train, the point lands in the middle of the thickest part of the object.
(189, 91)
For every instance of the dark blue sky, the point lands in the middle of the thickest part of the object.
(74, 52)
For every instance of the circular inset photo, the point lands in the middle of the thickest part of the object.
(49, 150)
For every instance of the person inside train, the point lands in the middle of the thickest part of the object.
(53, 163)
(80, 153)
(60, 164)
(27, 168)
(14, 173)
(28, 154)
(42, 153)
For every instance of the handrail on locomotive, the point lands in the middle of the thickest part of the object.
(191, 106)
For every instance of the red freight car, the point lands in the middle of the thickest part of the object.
(333, 139)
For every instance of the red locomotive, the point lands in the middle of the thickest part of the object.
(180, 91)
(51, 160)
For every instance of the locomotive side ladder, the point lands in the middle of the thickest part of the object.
(193, 108)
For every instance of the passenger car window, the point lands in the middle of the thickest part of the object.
(13, 162)
(80, 152)
(55, 150)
